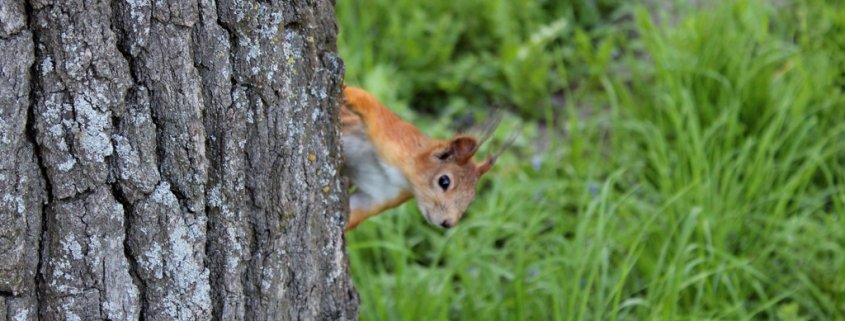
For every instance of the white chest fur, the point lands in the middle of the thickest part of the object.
(376, 181)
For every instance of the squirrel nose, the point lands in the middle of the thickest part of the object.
(446, 224)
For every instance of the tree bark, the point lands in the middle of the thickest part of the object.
(171, 160)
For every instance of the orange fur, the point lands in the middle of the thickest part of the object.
(395, 140)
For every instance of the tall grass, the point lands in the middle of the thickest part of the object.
(688, 169)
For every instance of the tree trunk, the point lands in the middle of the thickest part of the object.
(171, 160)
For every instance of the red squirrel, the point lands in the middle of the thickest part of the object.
(390, 161)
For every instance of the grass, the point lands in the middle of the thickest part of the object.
(677, 162)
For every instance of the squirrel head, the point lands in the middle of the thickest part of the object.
(447, 179)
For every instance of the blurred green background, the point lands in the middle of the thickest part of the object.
(677, 160)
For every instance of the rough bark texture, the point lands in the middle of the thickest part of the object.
(171, 160)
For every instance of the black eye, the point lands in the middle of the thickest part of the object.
(444, 182)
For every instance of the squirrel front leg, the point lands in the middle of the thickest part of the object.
(362, 207)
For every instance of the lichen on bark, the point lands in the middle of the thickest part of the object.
(158, 161)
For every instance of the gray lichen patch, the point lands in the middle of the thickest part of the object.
(75, 140)
(91, 127)
(171, 91)
(136, 163)
(82, 83)
(168, 246)
(22, 190)
(12, 17)
(133, 18)
(19, 308)
(88, 273)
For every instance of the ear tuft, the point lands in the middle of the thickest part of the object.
(484, 167)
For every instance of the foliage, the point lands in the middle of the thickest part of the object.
(679, 162)
(473, 52)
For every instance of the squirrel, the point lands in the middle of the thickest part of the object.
(390, 161)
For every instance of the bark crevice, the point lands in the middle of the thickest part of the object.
(32, 137)
(132, 261)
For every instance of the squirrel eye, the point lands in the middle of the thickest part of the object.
(444, 182)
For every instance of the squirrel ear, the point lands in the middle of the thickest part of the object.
(459, 149)
(463, 148)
